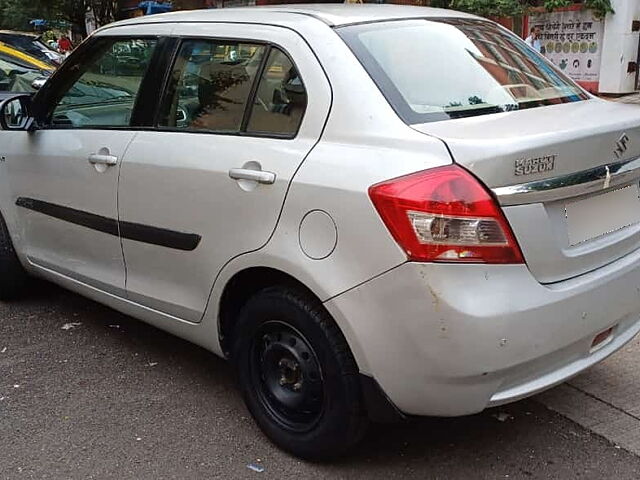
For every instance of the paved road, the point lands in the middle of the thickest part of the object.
(115, 398)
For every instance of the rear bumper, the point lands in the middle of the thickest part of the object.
(447, 340)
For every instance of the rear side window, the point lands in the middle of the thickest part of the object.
(455, 68)
(232, 87)
(281, 98)
(210, 85)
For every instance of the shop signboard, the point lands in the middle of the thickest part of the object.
(572, 39)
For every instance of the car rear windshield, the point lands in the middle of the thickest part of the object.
(432, 70)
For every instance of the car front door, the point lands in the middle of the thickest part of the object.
(236, 121)
(63, 177)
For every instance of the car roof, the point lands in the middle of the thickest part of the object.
(20, 34)
(336, 14)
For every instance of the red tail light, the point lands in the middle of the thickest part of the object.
(445, 215)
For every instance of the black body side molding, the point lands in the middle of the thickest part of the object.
(111, 226)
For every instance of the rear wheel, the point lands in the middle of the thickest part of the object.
(297, 374)
(13, 278)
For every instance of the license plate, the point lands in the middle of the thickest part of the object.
(602, 214)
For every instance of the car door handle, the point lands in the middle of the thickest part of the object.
(100, 159)
(259, 176)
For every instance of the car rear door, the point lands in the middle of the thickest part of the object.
(63, 177)
(208, 181)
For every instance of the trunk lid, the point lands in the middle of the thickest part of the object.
(559, 172)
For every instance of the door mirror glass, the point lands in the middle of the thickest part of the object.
(15, 113)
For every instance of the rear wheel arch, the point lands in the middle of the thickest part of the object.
(241, 287)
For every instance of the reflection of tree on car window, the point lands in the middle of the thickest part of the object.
(219, 86)
(211, 84)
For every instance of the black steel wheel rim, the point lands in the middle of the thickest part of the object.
(287, 376)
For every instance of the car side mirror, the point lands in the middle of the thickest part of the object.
(16, 113)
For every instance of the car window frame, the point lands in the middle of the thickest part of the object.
(252, 92)
(46, 99)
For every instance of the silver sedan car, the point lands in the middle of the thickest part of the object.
(372, 211)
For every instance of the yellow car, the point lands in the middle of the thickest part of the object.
(23, 59)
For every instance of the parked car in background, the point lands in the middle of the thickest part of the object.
(16, 78)
(372, 211)
(24, 59)
(32, 44)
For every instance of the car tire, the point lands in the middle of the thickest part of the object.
(13, 278)
(297, 374)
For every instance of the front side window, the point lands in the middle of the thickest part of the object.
(432, 70)
(210, 85)
(106, 85)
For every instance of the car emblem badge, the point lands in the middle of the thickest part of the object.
(621, 145)
(530, 166)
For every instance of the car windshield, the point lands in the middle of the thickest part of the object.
(432, 70)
